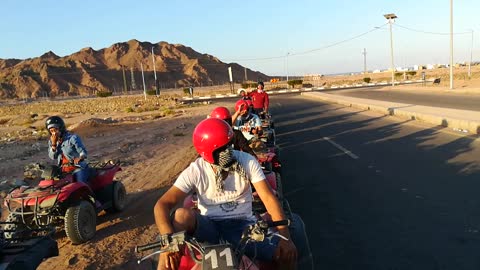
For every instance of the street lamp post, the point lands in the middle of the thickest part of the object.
(391, 19)
(451, 44)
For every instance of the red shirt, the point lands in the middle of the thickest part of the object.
(259, 100)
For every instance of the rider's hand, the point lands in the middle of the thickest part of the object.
(169, 260)
(240, 109)
(54, 138)
(286, 254)
(77, 160)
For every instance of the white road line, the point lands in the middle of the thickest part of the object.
(348, 152)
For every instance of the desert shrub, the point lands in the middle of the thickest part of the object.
(4, 121)
(292, 83)
(168, 112)
(367, 79)
(411, 73)
(151, 92)
(178, 134)
(104, 93)
(186, 90)
(249, 85)
(129, 109)
(307, 85)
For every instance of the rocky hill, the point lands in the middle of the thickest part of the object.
(110, 69)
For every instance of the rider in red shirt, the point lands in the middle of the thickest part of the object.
(259, 99)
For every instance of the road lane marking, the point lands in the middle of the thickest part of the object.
(341, 148)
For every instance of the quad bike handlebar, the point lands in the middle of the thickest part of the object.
(172, 242)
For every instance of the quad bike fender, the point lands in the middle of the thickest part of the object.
(103, 177)
(75, 191)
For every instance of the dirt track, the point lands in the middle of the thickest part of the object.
(152, 153)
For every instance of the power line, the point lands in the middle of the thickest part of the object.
(312, 50)
(340, 42)
(428, 32)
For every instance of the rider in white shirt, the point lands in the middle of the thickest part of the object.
(221, 177)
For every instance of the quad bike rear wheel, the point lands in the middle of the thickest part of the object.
(119, 198)
(80, 222)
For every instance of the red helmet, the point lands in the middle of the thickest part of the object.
(221, 113)
(210, 135)
(240, 103)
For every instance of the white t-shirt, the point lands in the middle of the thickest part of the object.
(236, 199)
(246, 125)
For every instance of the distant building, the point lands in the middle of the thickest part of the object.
(418, 67)
(312, 77)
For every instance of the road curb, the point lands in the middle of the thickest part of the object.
(461, 120)
(309, 89)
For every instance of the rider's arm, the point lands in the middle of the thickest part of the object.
(163, 207)
(236, 115)
(272, 205)
(81, 149)
(266, 103)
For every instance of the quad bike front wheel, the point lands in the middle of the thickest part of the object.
(15, 228)
(80, 222)
(119, 198)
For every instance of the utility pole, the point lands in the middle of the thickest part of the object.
(245, 74)
(471, 55)
(451, 44)
(125, 89)
(134, 86)
(364, 61)
(391, 19)
(143, 78)
(287, 65)
(157, 91)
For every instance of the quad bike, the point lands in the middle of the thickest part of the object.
(60, 201)
(224, 256)
(28, 252)
(267, 120)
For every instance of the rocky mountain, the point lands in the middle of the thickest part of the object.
(110, 69)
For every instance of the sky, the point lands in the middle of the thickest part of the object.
(275, 37)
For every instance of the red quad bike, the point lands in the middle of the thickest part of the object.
(223, 256)
(62, 202)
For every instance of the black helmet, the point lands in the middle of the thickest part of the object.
(261, 83)
(55, 122)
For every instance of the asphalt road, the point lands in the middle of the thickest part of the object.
(460, 101)
(377, 192)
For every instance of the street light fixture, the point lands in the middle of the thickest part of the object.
(391, 19)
